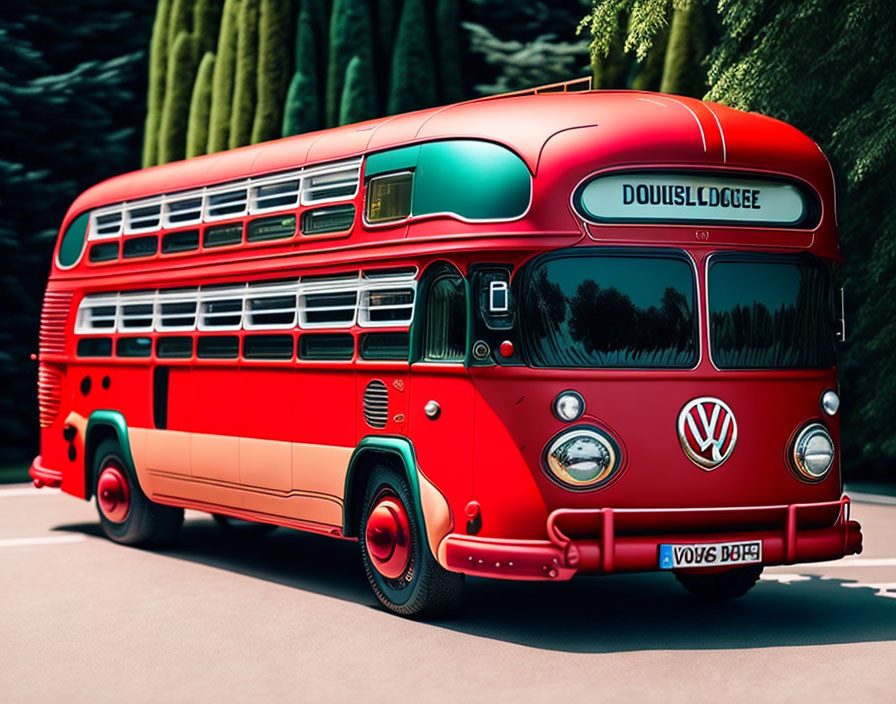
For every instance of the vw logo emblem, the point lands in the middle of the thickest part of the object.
(707, 431)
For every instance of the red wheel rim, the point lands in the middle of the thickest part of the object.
(112, 494)
(388, 537)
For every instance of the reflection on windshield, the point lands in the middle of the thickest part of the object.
(610, 311)
(770, 314)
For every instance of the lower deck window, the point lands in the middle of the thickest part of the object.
(339, 346)
(95, 347)
(174, 347)
(268, 347)
(133, 347)
(218, 347)
(385, 345)
(180, 241)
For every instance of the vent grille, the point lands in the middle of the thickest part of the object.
(52, 322)
(49, 394)
(376, 404)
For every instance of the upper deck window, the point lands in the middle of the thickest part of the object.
(610, 310)
(770, 312)
(465, 178)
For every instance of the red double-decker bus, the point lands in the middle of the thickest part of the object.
(522, 337)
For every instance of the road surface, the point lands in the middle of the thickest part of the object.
(289, 617)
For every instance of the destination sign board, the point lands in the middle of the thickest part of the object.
(691, 198)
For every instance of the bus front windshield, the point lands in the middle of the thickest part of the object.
(770, 312)
(610, 310)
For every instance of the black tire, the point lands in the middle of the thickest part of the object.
(425, 589)
(146, 523)
(719, 586)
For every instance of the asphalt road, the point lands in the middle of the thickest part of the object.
(285, 616)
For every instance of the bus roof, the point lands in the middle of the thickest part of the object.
(632, 126)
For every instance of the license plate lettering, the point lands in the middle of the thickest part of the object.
(709, 554)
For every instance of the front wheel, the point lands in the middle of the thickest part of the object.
(718, 586)
(127, 516)
(400, 566)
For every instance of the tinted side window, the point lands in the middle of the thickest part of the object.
(445, 332)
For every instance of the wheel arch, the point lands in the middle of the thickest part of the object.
(373, 450)
(105, 425)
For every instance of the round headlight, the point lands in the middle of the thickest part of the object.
(569, 406)
(813, 452)
(830, 402)
(582, 458)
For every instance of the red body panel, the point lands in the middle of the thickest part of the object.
(488, 442)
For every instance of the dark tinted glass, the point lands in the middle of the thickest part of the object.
(608, 310)
(180, 241)
(140, 246)
(95, 347)
(322, 220)
(173, 347)
(772, 313)
(268, 347)
(445, 335)
(221, 235)
(276, 228)
(133, 347)
(331, 346)
(104, 252)
(219, 347)
(385, 345)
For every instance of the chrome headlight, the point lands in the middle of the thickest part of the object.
(569, 406)
(830, 402)
(813, 452)
(582, 458)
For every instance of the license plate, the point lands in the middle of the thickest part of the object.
(678, 556)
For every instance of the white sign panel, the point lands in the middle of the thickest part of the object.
(642, 197)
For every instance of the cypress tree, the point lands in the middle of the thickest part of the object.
(206, 21)
(349, 36)
(180, 19)
(158, 59)
(318, 12)
(242, 112)
(413, 72)
(302, 110)
(449, 47)
(178, 91)
(200, 105)
(358, 97)
(648, 74)
(387, 13)
(273, 70)
(682, 73)
(222, 82)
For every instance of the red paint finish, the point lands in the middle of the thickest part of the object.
(388, 536)
(485, 447)
(113, 494)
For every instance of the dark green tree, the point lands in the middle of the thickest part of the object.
(413, 72)
(222, 81)
(386, 14)
(206, 22)
(450, 50)
(158, 60)
(242, 111)
(273, 70)
(358, 97)
(686, 49)
(350, 35)
(178, 92)
(200, 106)
(302, 110)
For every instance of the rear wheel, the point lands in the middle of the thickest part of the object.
(400, 566)
(126, 515)
(718, 586)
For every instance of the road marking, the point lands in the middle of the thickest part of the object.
(887, 590)
(27, 491)
(862, 497)
(50, 540)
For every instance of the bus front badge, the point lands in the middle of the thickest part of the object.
(707, 431)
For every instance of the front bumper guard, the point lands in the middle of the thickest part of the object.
(560, 557)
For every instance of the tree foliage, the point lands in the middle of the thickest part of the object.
(827, 67)
(156, 93)
(350, 35)
(448, 43)
(222, 81)
(358, 97)
(178, 92)
(302, 110)
(413, 71)
(200, 107)
(272, 80)
(242, 110)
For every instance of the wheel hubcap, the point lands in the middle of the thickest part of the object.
(388, 537)
(112, 494)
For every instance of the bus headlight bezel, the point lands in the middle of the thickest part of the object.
(568, 406)
(582, 458)
(830, 402)
(806, 450)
